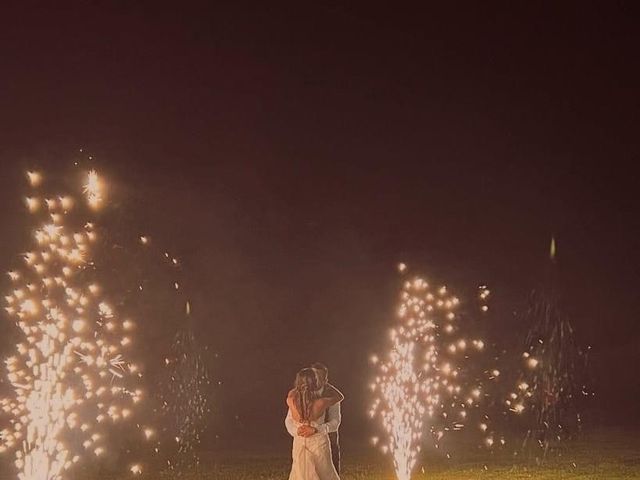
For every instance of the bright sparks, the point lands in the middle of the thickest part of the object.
(69, 375)
(420, 384)
(93, 190)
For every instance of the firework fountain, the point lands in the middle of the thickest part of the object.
(552, 381)
(425, 381)
(71, 373)
(185, 399)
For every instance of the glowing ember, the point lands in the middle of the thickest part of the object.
(93, 189)
(35, 178)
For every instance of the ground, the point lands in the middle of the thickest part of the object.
(606, 455)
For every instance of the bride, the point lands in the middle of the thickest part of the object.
(312, 454)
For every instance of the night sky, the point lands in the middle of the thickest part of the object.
(292, 155)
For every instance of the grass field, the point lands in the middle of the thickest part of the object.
(611, 455)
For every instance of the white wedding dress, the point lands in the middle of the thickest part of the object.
(312, 458)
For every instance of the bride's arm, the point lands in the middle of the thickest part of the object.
(292, 407)
(290, 424)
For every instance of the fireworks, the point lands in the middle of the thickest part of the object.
(423, 381)
(553, 372)
(70, 374)
(400, 405)
(551, 383)
(185, 396)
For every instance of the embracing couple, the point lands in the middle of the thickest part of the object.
(313, 421)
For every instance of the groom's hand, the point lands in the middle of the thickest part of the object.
(307, 430)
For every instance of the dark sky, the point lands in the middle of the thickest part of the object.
(294, 154)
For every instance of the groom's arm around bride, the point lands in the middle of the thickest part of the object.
(332, 417)
(331, 424)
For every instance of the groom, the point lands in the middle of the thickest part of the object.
(332, 417)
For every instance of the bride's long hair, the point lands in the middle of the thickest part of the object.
(306, 391)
